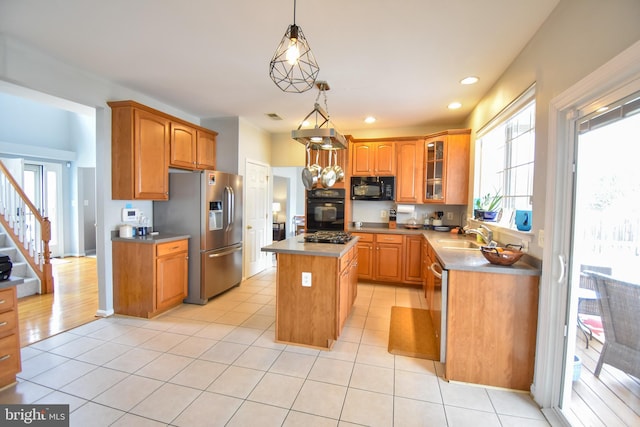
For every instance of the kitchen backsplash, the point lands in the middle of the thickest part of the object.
(368, 211)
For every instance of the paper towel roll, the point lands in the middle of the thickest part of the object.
(406, 209)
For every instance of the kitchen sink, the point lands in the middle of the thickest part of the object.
(459, 244)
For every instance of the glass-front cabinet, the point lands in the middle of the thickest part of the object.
(446, 167)
(434, 169)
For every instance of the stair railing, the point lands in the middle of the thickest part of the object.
(26, 227)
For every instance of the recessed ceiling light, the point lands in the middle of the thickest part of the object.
(454, 106)
(370, 119)
(469, 80)
(305, 123)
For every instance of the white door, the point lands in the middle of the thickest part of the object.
(256, 205)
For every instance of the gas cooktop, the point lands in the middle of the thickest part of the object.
(339, 237)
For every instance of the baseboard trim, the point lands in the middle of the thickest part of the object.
(104, 313)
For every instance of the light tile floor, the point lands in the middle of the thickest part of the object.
(218, 365)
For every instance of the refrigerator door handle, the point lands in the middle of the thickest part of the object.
(232, 197)
(230, 251)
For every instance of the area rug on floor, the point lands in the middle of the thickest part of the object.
(411, 333)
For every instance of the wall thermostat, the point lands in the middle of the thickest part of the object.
(130, 214)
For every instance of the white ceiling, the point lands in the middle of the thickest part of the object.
(400, 61)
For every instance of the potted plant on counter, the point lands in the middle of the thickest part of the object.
(486, 208)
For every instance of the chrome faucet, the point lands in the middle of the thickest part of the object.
(487, 239)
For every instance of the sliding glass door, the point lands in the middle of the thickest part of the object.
(605, 238)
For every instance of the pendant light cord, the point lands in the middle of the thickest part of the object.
(294, 12)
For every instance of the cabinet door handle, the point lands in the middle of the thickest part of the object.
(3, 324)
(5, 357)
(2, 301)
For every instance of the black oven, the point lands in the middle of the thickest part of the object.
(325, 209)
(373, 187)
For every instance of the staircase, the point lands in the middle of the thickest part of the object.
(21, 269)
(25, 237)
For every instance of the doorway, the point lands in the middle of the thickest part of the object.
(42, 183)
(605, 238)
(257, 204)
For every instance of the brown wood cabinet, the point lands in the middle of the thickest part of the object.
(145, 142)
(446, 167)
(388, 258)
(139, 153)
(409, 171)
(491, 328)
(365, 255)
(314, 315)
(10, 359)
(373, 158)
(348, 286)
(412, 260)
(149, 278)
(192, 148)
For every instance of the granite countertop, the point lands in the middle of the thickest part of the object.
(11, 281)
(158, 238)
(458, 259)
(297, 246)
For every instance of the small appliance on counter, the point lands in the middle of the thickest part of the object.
(392, 218)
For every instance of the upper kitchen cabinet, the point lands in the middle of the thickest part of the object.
(409, 171)
(446, 167)
(146, 142)
(191, 148)
(139, 152)
(373, 158)
(206, 149)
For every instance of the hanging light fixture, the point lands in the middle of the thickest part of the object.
(293, 67)
(323, 135)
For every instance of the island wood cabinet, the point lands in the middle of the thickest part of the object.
(409, 171)
(145, 142)
(491, 328)
(314, 315)
(10, 361)
(446, 167)
(373, 158)
(149, 278)
(191, 148)
(348, 288)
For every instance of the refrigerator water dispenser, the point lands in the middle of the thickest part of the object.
(215, 215)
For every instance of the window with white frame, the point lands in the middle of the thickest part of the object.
(505, 150)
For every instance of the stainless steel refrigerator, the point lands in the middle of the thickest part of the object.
(208, 206)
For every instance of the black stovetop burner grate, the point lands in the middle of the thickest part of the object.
(339, 237)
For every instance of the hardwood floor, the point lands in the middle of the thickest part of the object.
(613, 399)
(74, 302)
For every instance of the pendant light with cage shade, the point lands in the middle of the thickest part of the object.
(293, 67)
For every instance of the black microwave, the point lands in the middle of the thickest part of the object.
(373, 188)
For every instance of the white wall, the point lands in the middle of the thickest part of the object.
(31, 69)
(578, 37)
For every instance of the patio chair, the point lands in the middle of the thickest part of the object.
(590, 307)
(620, 308)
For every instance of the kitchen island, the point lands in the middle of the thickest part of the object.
(316, 285)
